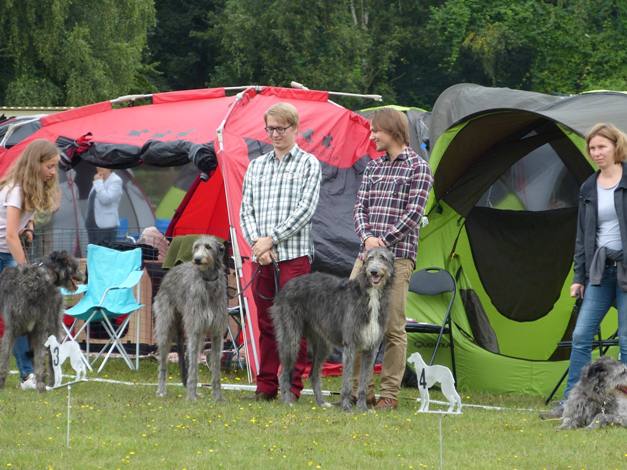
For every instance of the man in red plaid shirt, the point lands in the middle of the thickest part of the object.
(388, 213)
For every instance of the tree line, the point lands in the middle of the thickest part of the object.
(74, 52)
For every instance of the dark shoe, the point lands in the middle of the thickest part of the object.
(554, 413)
(386, 404)
(260, 396)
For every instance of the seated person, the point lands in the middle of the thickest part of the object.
(153, 237)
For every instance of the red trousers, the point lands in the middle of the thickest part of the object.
(263, 293)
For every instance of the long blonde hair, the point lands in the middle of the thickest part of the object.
(38, 195)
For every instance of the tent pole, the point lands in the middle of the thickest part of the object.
(243, 306)
(235, 88)
(300, 86)
(249, 335)
(122, 99)
(356, 95)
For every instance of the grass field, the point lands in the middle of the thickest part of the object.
(126, 426)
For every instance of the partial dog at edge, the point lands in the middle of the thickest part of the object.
(191, 302)
(327, 311)
(599, 398)
(32, 305)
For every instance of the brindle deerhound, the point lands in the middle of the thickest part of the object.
(192, 302)
(331, 311)
(32, 305)
(599, 398)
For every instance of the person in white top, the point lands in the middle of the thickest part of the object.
(30, 187)
(102, 208)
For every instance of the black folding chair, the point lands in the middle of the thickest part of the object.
(434, 281)
(603, 344)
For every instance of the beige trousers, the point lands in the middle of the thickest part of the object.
(395, 338)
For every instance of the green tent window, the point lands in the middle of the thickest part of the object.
(538, 182)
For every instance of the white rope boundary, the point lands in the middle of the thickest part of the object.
(305, 391)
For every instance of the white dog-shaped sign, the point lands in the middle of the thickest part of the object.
(430, 375)
(60, 352)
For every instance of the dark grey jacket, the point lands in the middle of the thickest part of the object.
(585, 245)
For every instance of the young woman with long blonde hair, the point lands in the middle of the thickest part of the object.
(30, 187)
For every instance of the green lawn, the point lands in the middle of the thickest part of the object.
(122, 426)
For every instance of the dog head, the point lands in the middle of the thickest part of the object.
(50, 341)
(64, 269)
(208, 253)
(417, 360)
(378, 267)
(605, 375)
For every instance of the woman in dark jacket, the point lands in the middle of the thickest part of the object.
(600, 266)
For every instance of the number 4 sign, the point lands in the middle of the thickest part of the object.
(429, 376)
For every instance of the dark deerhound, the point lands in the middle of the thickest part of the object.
(32, 305)
(599, 398)
(331, 311)
(192, 302)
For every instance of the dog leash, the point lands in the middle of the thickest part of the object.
(276, 275)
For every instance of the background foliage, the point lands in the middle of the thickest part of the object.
(71, 52)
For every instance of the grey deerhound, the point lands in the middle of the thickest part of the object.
(331, 311)
(32, 305)
(192, 302)
(599, 398)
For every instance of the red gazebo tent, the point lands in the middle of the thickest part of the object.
(223, 133)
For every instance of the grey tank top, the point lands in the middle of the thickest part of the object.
(608, 230)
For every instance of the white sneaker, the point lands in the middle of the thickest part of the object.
(30, 383)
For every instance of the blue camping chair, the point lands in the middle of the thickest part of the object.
(112, 276)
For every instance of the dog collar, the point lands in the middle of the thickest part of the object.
(622, 389)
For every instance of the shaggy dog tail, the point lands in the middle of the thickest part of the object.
(288, 329)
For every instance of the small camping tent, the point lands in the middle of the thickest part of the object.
(507, 166)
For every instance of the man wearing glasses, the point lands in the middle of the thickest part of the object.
(280, 195)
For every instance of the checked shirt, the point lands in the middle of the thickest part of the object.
(279, 199)
(391, 201)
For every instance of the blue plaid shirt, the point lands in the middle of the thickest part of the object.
(279, 199)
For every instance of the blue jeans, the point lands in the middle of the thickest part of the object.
(597, 301)
(21, 348)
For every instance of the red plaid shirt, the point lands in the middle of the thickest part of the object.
(391, 201)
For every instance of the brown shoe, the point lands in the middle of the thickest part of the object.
(386, 404)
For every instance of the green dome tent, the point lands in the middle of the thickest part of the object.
(507, 166)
